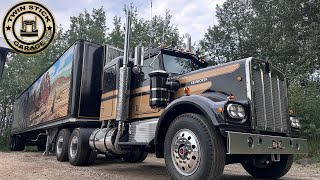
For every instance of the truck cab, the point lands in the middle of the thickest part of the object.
(176, 99)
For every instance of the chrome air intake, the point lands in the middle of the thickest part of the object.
(158, 89)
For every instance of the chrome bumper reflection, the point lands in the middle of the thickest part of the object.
(246, 143)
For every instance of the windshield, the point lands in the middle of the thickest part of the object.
(178, 65)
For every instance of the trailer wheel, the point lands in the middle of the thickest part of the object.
(136, 156)
(41, 145)
(79, 151)
(62, 142)
(17, 143)
(194, 149)
(267, 169)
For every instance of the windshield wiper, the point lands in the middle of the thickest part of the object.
(173, 74)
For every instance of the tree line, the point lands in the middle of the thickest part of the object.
(286, 32)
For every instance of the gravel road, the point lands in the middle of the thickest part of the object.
(32, 165)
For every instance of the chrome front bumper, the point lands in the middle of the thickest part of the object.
(246, 143)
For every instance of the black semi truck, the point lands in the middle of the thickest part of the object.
(96, 100)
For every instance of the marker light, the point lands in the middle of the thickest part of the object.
(291, 112)
(231, 97)
(187, 91)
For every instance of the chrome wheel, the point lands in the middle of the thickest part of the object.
(185, 152)
(59, 145)
(74, 146)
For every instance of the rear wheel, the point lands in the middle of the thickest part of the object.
(136, 156)
(17, 143)
(264, 168)
(62, 145)
(194, 149)
(79, 151)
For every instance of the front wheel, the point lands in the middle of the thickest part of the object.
(264, 168)
(194, 149)
(136, 156)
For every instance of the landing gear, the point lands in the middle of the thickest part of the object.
(136, 156)
(193, 149)
(266, 169)
(79, 151)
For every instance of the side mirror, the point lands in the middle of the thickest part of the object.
(138, 59)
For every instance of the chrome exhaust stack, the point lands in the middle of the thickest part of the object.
(188, 42)
(106, 139)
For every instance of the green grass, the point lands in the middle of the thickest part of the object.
(4, 144)
(31, 149)
(313, 151)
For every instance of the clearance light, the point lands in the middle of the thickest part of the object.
(231, 97)
(220, 110)
(239, 78)
(187, 91)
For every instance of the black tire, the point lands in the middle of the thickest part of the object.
(80, 153)
(92, 157)
(41, 145)
(211, 156)
(136, 156)
(17, 143)
(274, 170)
(61, 148)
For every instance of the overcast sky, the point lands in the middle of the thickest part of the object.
(190, 16)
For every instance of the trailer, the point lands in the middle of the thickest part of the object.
(97, 100)
(67, 94)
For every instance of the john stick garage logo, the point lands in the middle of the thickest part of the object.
(28, 27)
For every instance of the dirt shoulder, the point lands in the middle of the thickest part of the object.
(31, 165)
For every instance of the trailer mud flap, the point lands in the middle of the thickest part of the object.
(246, 143)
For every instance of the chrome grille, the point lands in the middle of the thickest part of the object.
(269, 100)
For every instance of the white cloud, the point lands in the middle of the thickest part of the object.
(193, 17)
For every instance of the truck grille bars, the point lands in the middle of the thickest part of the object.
(269, 98)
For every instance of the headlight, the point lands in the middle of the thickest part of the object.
(295, 123)
(236, 111)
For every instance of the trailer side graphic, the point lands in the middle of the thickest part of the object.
(48, 98)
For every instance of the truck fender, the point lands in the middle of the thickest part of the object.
(185, 104)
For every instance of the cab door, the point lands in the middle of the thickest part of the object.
(109, 94)
(141, 89)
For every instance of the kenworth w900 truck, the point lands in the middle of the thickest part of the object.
(165, 101)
